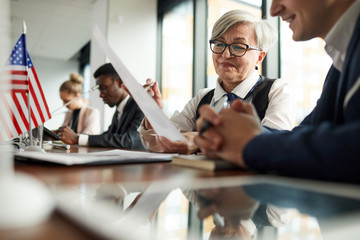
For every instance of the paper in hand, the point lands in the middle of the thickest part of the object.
(161, 124)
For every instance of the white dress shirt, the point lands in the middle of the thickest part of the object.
(84, 138)
(338, 39)
(279, 114)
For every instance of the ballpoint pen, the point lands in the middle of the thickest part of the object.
(219, 105)
(60, 145)
(148, 87)
(73, 100)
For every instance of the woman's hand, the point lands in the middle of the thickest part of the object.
(183, 147)
(152, 88)
(154, 91)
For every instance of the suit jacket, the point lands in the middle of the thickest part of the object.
(121, 133)
(326, 145)
(88, 121)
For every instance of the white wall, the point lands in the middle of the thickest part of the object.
(132, 35)
(52, 73)
(130, 29)
(5, 46)
(97, 57)
(6, 165)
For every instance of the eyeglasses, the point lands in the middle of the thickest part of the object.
(105, 88)
(236, 49)
(104, 85)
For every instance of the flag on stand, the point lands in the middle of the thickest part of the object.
(18, 79)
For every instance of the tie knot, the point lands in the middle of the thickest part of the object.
(231, 97)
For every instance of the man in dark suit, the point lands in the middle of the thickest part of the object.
(326, 145)
(122, 132)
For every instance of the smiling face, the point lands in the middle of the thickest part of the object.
(233, 70)
(110, 90)
(307, 18)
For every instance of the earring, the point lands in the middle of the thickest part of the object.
(256, 68)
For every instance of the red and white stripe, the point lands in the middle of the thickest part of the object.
(15, 84)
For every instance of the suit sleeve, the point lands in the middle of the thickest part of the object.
(324, 146)
(326, 152)
(128, 139)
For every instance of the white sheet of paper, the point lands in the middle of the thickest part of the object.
(161, 124)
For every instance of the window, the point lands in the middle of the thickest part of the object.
(304, 65)
(177, 57)
(87, 79)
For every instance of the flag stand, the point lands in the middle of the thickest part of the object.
(32, 147)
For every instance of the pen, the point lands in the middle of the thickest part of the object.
(74, 99)
(219, 105)
(61, 145)
(148, 87)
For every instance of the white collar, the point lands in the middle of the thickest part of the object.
(122, 104)
(338, 38)
(241, 89)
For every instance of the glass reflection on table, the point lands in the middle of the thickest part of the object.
(175, 209)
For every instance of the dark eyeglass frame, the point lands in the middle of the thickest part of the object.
(247, 47)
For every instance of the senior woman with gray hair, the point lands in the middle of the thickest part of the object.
(238, 43)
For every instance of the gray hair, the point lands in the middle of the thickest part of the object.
(265, 32)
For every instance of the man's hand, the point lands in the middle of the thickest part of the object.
(231, 131)
(68, 135)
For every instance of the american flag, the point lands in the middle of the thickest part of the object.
(17, 80)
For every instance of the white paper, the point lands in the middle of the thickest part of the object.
(161, 124)
(95, 158)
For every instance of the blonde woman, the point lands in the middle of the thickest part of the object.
(81, 118)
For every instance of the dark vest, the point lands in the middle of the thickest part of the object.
(260, 97)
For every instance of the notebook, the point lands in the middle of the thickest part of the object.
(202, 162)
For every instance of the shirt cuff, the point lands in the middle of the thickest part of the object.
(83, 139)
(145, 131)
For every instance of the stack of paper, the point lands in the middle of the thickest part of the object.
(105, 157)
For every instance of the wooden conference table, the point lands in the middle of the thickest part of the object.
(80, 185)
(74, 175)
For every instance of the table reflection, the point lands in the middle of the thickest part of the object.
(243, 215)
(175, 209)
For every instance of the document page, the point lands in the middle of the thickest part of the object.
(161, 124)
(96, 158)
